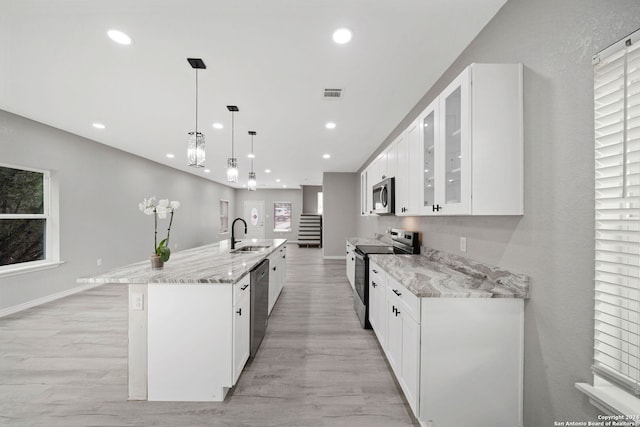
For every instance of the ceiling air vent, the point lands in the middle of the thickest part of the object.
(332, 94)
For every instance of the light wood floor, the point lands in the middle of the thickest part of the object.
(64, 363)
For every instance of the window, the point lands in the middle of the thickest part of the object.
(28, 230)
(224, 216)
(282, 216)
(616, 365)
(320, 203)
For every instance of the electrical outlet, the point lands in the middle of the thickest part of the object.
(99, 262)
(463, 244)
(137, 301)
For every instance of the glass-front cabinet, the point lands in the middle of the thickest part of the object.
(429, 125)
(455, 144)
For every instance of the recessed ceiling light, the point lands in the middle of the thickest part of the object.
(267, 171)
(330, 125)
(170, 156)
(218, 125)
(277, 180)
(98, 126)
(326, 156)
(342, 35)
(119, 37)
(207, 170)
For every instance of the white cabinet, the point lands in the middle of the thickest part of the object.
(351, 264)
(408, 171)
(377, 302)
(241, 326)
(364, 193)
(454, 358)
(403, 339)
(277, 275)
(472, 144)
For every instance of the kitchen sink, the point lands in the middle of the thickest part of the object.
(250, 248)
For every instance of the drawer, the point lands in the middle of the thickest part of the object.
(403, 298)
(376, 274)
(241, 290)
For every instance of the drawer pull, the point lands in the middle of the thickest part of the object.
(239, 311)
(375, 271)
(244, 287)
(395, 291)
(373, 284)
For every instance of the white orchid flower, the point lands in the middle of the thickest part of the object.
(161, 211)
(163, 203)
(148, 210)
(175, 205)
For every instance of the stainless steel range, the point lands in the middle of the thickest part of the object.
(404, 243)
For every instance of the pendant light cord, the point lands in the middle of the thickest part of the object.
(232, 128)
(196, 104)
(252, 153)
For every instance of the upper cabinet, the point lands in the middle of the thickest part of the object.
(472, 144)
(463, 155)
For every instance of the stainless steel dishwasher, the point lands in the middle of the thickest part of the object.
(259, 304)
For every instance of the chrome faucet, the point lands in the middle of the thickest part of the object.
(233, 234)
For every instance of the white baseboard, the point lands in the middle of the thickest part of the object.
(29, 304)
(341, 257)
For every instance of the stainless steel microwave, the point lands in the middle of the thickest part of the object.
(384, 197)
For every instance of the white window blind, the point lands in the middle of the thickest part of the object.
(617, 214)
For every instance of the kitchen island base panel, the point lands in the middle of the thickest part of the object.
(137, 349)
(188, 338)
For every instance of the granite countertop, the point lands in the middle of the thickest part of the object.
(378, 240)
(212, 263)
(443, 275)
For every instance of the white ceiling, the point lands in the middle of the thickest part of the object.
(271, 58)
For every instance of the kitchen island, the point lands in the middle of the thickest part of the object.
(189, 330)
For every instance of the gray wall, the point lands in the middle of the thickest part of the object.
(100, 189)
(340, 192)
(310, 198)
(269, 196)
(553, 241)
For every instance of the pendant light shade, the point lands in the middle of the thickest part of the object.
(195, 145)
(252, 183)
(232, 162)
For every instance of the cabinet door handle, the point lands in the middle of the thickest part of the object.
(374, 270)
(393, 310)
(397, 312)
(373, 284)
(244, 287)
(239, 311)
(284, 256)
(395, 291)
(436, 208)
(353, 259)
(274, 268)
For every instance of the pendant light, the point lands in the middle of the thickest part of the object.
(195, 146)
(251, 184)
(232, 162)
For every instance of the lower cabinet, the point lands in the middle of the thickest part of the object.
(241, 326)
(377, 303)
(456, 359)
(351, 264)
(277, 275)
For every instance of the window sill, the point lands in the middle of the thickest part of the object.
(12, 270)
(612, 401)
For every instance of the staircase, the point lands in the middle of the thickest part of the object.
(310, 230)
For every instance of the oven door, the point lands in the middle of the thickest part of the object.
(360, 284)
